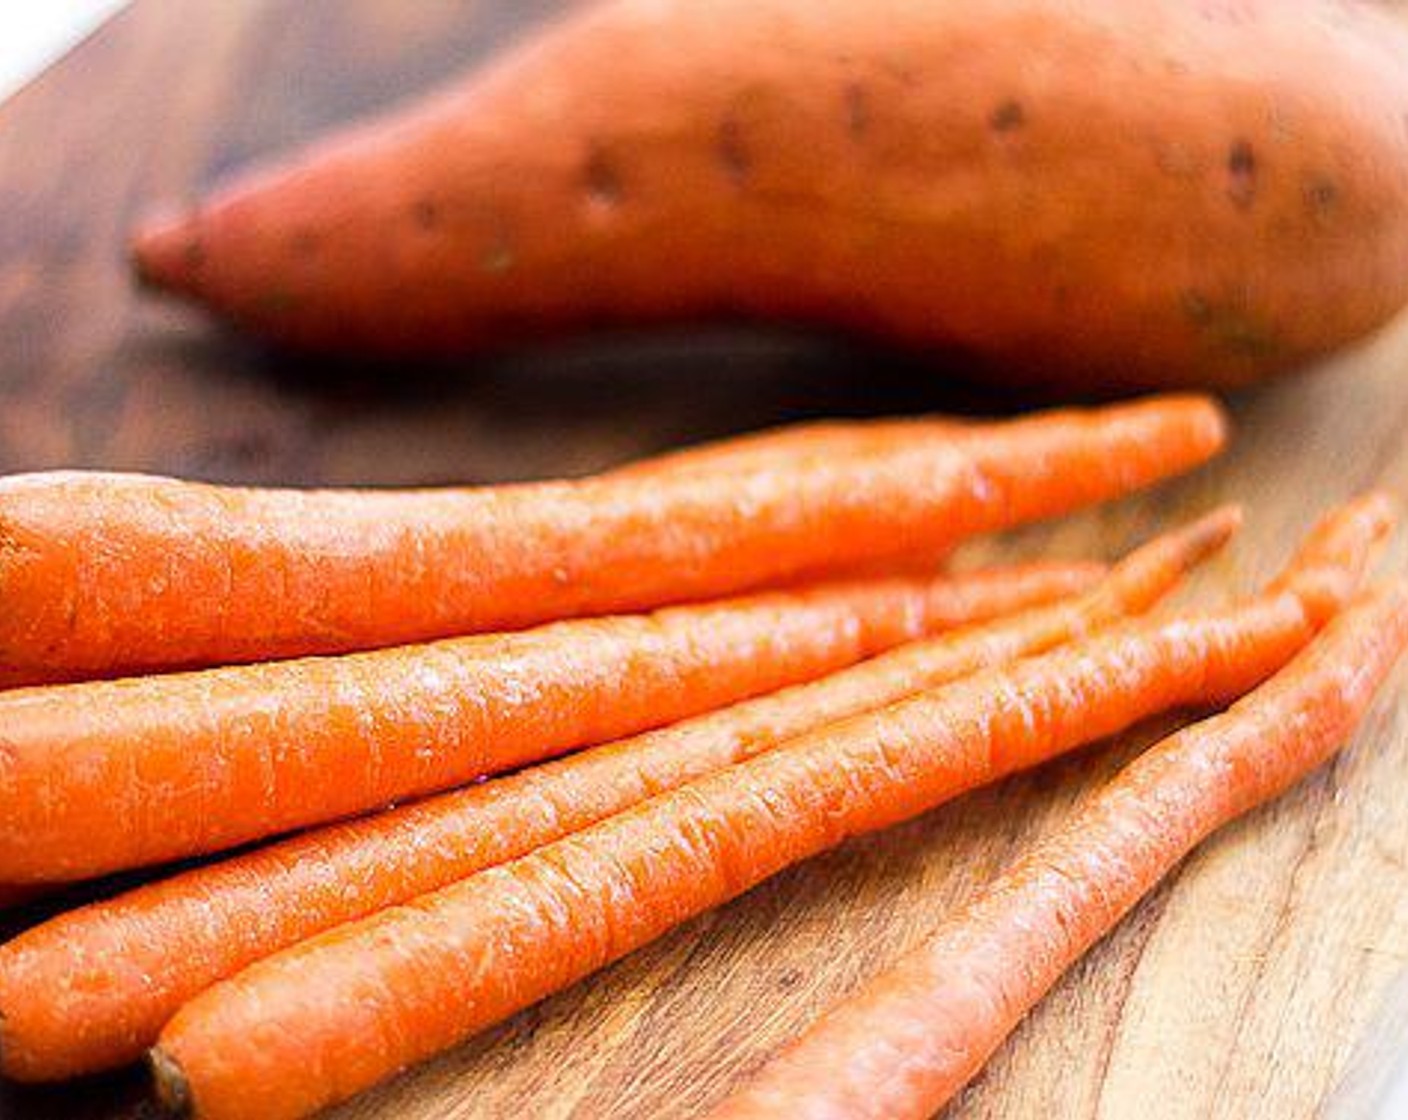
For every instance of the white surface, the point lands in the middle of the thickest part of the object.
(33, 33)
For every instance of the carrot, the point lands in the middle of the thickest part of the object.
(102, 573)
(115, 774)
(803, 446)
(322, 1020)
(807, 443)
(1088, 195)
(70, 998)
(914, 1036)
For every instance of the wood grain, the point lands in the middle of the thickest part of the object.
(1247, 986)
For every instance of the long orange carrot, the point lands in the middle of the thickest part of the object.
(804, 444)
(913, 1037)
(103, 776)
(68, 1003)
(324, 1019)
(100, 572)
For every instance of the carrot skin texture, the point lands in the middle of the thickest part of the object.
(65, 1001)
(910, 1039)
(900, 169)
(122, 573)
(110, 775)
(362, 1001)
(802, 444)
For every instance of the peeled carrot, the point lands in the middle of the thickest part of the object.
(806, 443)
(108, 775)
(914, 1036)
(92, 988)
(794, 447)
(320, 1021)
(101, 573)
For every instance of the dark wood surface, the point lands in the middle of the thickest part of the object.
(1245, 988)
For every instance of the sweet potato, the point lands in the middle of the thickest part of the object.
(1095, 195)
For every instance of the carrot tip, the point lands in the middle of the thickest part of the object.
(1213, 425)
(1341, 548)
(1219, 423)
(1205, 536)
(173, 1090)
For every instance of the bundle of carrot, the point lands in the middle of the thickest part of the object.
(330, 1016)
(715, 742)
(183, 934)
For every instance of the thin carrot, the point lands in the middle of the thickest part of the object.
(804, 444)
(102, 573)
(92, 988)
(324, 1019)
(108, 775)
(797, 446)
(914, 1036)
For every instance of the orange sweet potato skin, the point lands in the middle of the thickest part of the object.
(1094, 194)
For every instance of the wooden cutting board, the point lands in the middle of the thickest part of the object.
(1264, 980)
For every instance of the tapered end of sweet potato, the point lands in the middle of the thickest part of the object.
(166, 253)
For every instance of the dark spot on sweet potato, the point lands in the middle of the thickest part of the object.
(1229, 327)
(277, 301)
(498, 244)
(194, 253)
(1008, 116)
(857, 110)
(1244, 337)
(1322, 194)
(603, 181)
(497, 259)
(305, 242)
(1241, 173)
(733, 153)
(1196, 307)
(426, 213)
